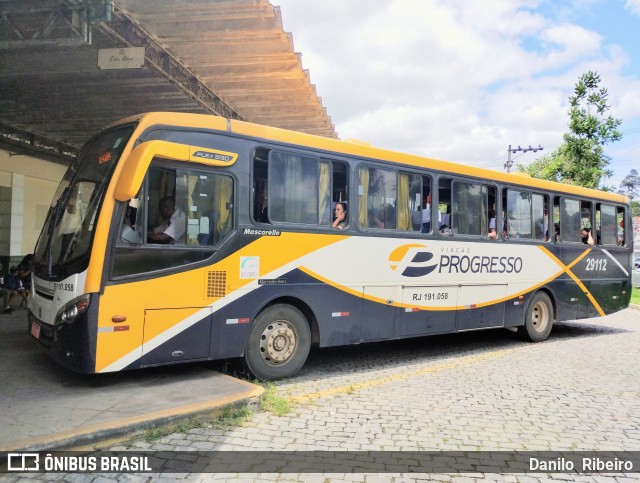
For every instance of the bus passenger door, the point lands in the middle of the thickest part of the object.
(379, 312)
(428, 310)
(163, 342)
(473, 314)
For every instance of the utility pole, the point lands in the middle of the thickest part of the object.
(509, 162)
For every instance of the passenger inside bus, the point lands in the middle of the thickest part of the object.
(542, 226)
(173, 224)
(587, 239)
(493, 234)
(260, 206)
(445, 221)
(426, 216)
(505, 232)
(376, 218)
(340, 216)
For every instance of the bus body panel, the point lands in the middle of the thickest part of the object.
(50, 297)
(358, 289)
(170, 319)
(71, 345)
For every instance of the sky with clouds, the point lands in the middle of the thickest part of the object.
(461, 80)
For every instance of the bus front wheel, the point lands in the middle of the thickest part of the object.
(278, 343)
(538, 320)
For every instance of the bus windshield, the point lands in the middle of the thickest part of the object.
(64, 244)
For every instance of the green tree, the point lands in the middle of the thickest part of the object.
(630, 185)
(581, 160)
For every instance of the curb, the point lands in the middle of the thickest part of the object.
(119, 430)
(634, 306)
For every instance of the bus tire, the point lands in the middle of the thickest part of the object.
(538, 320)
(278, 343)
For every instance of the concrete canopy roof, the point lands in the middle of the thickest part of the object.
(226, 57)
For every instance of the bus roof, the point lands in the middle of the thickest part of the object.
(360, 149)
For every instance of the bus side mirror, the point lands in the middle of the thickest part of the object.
(137, 163)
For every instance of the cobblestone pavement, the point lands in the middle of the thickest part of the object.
(487, 391)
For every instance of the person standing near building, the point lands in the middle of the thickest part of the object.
(12, 287)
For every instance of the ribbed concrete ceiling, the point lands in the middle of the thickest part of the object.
(229, 57)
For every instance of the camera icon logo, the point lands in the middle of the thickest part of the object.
(23, 462)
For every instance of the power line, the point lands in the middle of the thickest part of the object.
(509, 162)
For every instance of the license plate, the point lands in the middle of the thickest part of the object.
(35, 330)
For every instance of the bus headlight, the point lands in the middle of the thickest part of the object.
(73, 309)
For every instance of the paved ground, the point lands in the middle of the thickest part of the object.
(45, 406)
(486, 391)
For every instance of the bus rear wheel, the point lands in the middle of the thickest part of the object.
(278, 343)
(538, 320)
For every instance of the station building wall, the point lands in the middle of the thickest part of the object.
(27, 187)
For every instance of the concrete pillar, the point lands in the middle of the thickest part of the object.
(12, 221)
(5, 227)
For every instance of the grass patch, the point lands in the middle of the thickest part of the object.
(635, 296)
(228, 417)
(273, 403)
(154, 434)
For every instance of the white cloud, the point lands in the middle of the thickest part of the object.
(633, 6)
(567, 43)
(453, 79)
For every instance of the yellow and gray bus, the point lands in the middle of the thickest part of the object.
(182, 237)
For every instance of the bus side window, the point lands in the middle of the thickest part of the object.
(338, 191)
(540, 216)
(421, 211)
(519, 214)
(586, 223)
(570, 220)
(621, 238)
(606, 231)
(202, 202)
(377, 198)
(191, 207)
(444, 206)
(556, 237)
(527, 215)
(492, 216)
(576, 221)
(162, 188)
(332, 189)
(292, 188)
(426, 215)
(469, 208)
(260, 186)
(131, 229)
(210, 208)
(410, 188)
